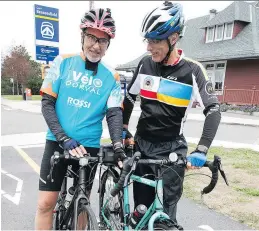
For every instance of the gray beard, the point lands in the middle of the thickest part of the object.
(91, 59)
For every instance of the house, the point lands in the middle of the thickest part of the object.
(227, 44)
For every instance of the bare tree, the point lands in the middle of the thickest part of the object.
(16, 65)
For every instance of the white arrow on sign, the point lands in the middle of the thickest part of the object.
(17, 196)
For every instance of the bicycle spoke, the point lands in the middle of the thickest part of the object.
(112, 211)
(83, 221)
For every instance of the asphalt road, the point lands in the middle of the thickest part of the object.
(18, 121)
(19, 183)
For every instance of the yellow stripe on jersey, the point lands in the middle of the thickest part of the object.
(172, 101)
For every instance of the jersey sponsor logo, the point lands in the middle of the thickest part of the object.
(171, 78)
(85, 82)
(148, 83)
(209, 88)
(78, 103)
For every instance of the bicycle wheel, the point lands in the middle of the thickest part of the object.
(55, 225)
(58, 214)
(86, 219)
(163, 225)
(114, 208)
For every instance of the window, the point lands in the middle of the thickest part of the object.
(216, 74)
(219, 32)
(228, 30)
(220, 65)
(210, 34)
(219, 77)
(209, 66)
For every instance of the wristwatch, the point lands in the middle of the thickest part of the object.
(202, 148)
(117, 145)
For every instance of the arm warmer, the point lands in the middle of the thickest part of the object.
(211, 124)
(48, 111)
(114, 121)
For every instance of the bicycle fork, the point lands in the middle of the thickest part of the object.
(83, 194)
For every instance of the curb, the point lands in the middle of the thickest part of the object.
(229, 123)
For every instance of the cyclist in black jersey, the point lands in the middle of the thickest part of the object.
(168, 83)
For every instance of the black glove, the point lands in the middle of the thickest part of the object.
(126, 134)
(119, 153)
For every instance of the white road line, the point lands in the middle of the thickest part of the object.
(17, 196)
(206, 227)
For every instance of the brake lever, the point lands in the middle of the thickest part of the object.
(222, 173)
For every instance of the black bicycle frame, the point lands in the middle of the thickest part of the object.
(80, 193)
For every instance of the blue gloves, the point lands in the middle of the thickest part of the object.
(197, 159)
(69, 144)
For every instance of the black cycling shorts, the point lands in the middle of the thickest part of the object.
(61, 167)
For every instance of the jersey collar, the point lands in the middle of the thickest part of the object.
(180, 52)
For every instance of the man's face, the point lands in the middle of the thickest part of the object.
(159, 48)
(94, 50)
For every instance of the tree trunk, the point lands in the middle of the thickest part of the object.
(17, 84)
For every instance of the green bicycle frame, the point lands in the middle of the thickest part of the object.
(154, 212)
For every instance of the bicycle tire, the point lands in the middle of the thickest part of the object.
(115, 215)
(55, 224)
(93, 225)
(162, 225)
(57, 216)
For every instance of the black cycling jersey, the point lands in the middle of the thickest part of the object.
(167, 93)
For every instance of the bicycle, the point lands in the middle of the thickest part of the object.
(154, 216)
(106, 182)
(67, 215)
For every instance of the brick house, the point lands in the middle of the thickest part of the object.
(227, 44)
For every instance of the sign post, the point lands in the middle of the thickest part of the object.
(11, 80)
(46, 32)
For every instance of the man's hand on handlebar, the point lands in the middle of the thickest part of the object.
(119, 153)
(196, 160)
(73, 147)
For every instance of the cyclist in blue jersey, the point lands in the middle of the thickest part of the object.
(168, 83)
(78, 91)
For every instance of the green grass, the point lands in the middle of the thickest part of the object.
(105, 141)
(248, 218)
(249, 191)
(19, 97)
(244, 159)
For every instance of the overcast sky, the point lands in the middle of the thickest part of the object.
(17, 24)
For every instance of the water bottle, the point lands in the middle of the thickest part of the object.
(137, 215)
(69, 196)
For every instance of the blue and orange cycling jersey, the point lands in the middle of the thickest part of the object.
(82, 99)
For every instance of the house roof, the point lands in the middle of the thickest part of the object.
(237, 11)
(245, 45)
(130, 66)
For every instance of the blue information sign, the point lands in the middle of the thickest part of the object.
(46, 53)
(47, 32)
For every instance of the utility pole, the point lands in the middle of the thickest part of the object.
(91, 5)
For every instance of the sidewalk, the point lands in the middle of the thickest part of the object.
(195, 114)
(30, 140)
